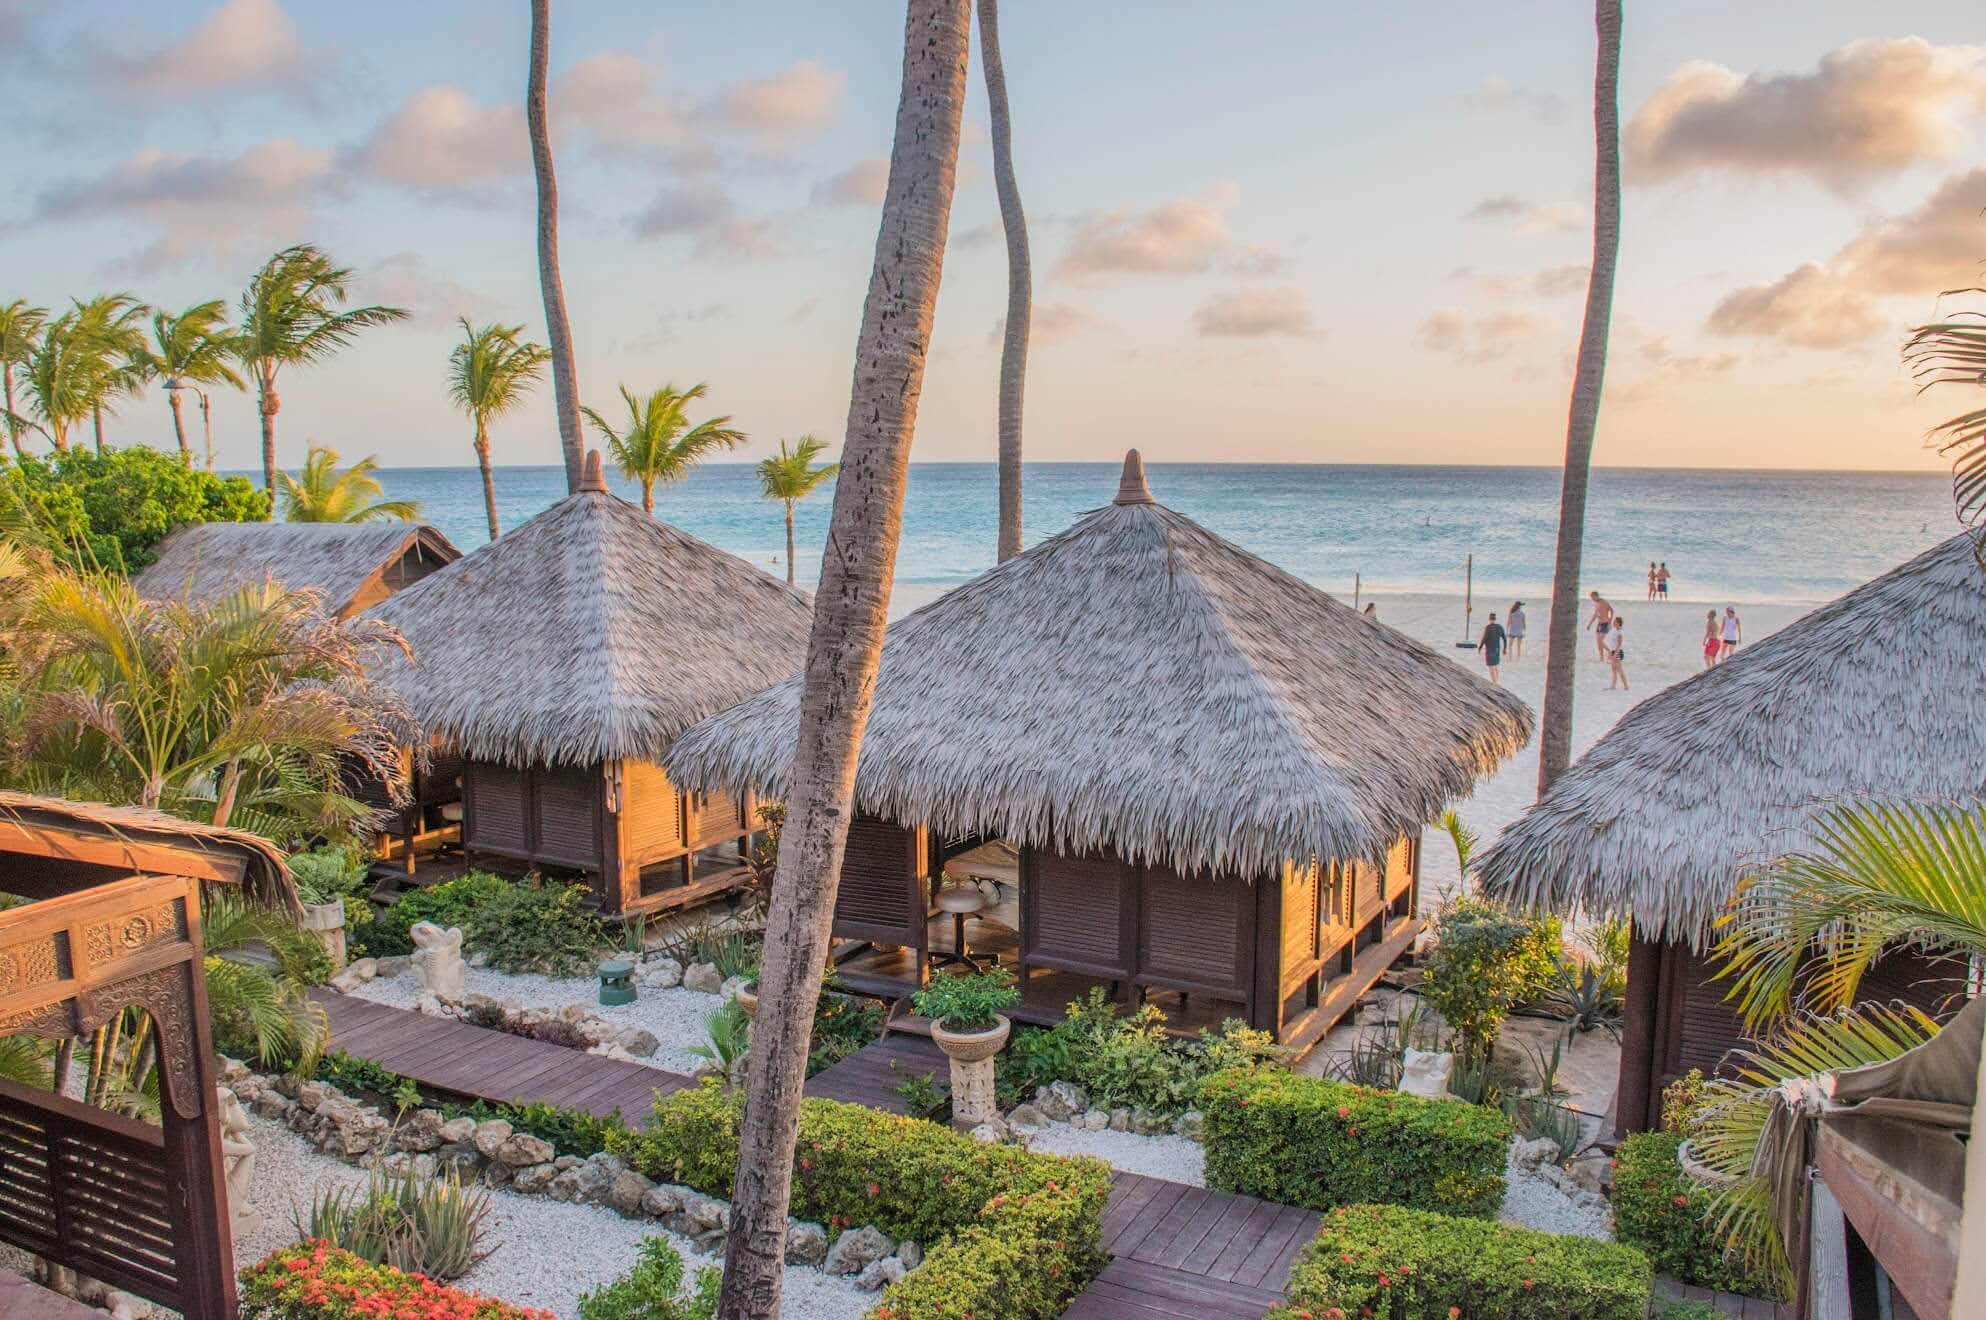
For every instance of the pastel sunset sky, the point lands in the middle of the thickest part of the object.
(1279, 231)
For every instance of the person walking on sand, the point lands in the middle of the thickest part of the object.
(1514, 626)
(1734, 632)
(1370, 611)
(1601, 622)
(1651, 579)
(1713, 639)
(1662, 581)
(1491, 645)
(1616, 654)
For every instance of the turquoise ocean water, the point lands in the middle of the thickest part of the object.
(1750, 536)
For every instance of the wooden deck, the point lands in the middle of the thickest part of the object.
(867, 1076)
(1727, 1304)
(482, 1064)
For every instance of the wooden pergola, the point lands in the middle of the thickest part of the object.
(113, 922)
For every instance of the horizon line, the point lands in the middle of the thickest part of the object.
(1235, 463)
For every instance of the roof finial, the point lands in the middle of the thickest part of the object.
(596, 476)
(1131, 487)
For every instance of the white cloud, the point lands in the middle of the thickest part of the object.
(441, 141)
(244, 45)
(1530, 217)
(1257, 261)
(403, 280)
(799, 100)
(861, 184)
(1478, 338)
(1255, 314)
(1173, 238)
(1868, 109)
(677, 209)
(1050, 322)
(615, 101)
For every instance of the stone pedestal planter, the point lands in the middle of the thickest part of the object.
(971, 1054)
(748, 999)
(327, 922)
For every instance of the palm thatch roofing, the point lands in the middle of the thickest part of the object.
(336, 560)
(1139, 684)
(46, 819)
(1879, 693)
(591, 633)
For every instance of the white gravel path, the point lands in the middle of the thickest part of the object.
(677, 1017)
(1534, 1203)
(549, 1251)
(1173, 1158)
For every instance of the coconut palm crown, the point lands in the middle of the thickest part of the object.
(659, 446)
(789, 477)
(320, 492)
(195, 347)
(20, 328)
(489, 373)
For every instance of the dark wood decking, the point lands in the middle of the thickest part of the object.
(866, 1077)
(1728, 1304)
(491, 1065)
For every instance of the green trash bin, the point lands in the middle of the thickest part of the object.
(616, 982)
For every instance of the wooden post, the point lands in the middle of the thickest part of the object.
(1633, 1102)
(196, 1183)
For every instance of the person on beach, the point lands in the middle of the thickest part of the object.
(1514, 626)
(1652, 577)
(1733, 633)
(1370, 610)
(1713, 639)
(1616, 653)
(1491, 645)
(1662, 581)
(1601, 622)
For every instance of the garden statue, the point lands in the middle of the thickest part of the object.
(1426, 1072)
(437, 960)
(238, 1159)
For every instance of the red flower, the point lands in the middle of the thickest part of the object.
(1530, 1284)
(1344, 1111)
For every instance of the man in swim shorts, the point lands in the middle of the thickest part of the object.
(1602, 623)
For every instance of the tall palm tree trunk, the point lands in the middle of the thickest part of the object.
(1561, 645)
(267, 404)
(96, 420)
(13, 426)
(489, 480)
(847, 638)
(1020, 281)
(789, 543)
(558, 330)
(179, 429)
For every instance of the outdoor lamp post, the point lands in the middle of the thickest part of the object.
(173, 386)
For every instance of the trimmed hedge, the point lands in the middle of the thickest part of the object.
(1006, 1232)
(1317, 1143)
(314, 1280)
(1660, 1210)
(1387, 1260)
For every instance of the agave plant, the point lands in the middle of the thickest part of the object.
(418, 1224)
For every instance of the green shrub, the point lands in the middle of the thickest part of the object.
(450, 903)
(570, 1131)
(992, 1218)
(1486, 960)
(423, 1225)
(1313, 1142)
(967, 1002)
(317, 1281)
(1660, 1210)
(112, 509)
(547, 929)
(650, 1291)
(1382, 1260)
(843, 1024)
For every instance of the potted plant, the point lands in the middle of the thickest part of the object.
(965, 1013)
(324, 876)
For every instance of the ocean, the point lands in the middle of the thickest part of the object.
(1726, 535)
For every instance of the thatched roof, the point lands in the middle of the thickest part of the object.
(591, 633)
(46, 820)
(1140, 684)
(337, 560)
(1880, 693)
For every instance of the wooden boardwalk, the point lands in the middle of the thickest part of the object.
(1726, 1304)
(491, 1065)
(867, 1077)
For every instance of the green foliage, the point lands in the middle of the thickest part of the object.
(349, 1073)
(734, 952)
(112, 509)
(316, 1281)
(1660, 1210)
(1313, 1142)
(450, 903)
(1539, 1116)
(919, 1092)
(522, 927)
(730, 1035)
(843, 1024)
(1486, 960)
(570, 1131)
(328, 873)
(1382, 1260)
(320, 492)
(420, 1225)
(967, 1002)
(1025, 1257)
(651, 1290)
(1670, 1308)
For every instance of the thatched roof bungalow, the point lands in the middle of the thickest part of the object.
(1876, 694)
(561, 660)
(353, 566)
(1158, 720)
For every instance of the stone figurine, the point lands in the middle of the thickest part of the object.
(238, 1160)
(437, 961)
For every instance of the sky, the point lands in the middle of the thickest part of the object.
(1273, 231)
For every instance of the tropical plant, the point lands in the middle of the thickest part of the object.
(110, 356)
(1463, 838)
(111, 510)
(489, 373)
(195, 347)
(919, 1091)
(56, 375)
(658, 446)
(313, 1280)
(558, 328)
(650, 1290)
(1583, 416)
(24, 1060)
(967, 1001)
(789, 477)
(20, 330)
(730, 1035)
(1020, 279)
(845, 648)
(293, 315)
(423, 1225)
(321, 493)
(1953, 352)
(1485, 961)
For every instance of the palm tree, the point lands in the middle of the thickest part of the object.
(1953, 352)
(57, 375)
(1020, 281)
(293, 314)
(110, 347)
(659, 446)
(321, 493)
(194, 347)
(565, 379)
(847, 640)
(1561, 647)
(788, 477)
(20, 329)
(489, 373)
